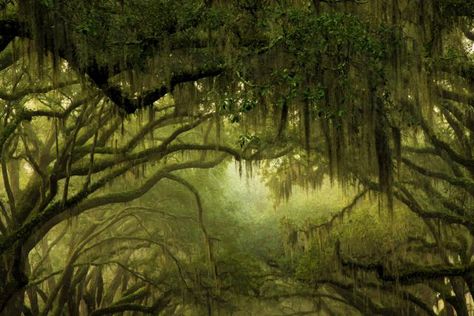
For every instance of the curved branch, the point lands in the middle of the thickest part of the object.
(413, 274)
(343, 211)
(100, 76)
(35, 90)
(463, 183)
(131, 195)
(207, 239)
(155, 309)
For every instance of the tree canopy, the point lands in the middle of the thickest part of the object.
(351, 123)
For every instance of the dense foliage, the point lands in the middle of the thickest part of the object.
(236, 157)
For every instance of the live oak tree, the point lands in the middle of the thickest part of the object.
(433, 180)
(68, 146)
(374, 94)
(108, 269)
(154, 253)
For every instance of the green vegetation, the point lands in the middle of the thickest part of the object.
(239, 157)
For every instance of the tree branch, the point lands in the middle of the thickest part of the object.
(155, 309)
(100, 76)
